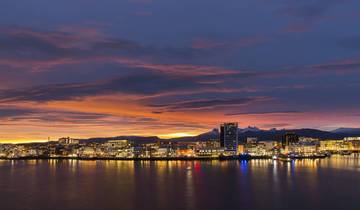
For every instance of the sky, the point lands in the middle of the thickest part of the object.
(89, 68)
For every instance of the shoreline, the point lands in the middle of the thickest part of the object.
(162, 158)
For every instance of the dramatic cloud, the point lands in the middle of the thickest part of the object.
(146, 84)
(207, 104)
(145, 67)
(38, 51)
(6, 112)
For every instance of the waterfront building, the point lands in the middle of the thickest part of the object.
(3, 154)
(354, 146)
(184, 152)
(126, 153)
(303, 149)
(269, 145)
(289, 138)
(263, 148)
(160, 152)
(229, 139)
(352, 139)
(333, 146)
(146, 150)
(353, 143)
(32, 152)
(241, 149)
(209, 152)
(88, 152)
(256, 150)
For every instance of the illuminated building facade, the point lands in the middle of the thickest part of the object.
(117, 144)
(229, 139)
(303, 149)
(289, 138)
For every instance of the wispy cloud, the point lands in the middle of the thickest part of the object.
(305, 14)
(43, 50)
(246, 41)
(207, 103)
(342, 66)
(352, 42)
(265, 113)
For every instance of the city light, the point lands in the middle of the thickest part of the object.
(228, 145)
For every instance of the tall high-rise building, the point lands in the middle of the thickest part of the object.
(229, 136)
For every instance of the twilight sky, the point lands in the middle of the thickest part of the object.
(90, 68)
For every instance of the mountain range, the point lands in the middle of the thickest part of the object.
(262, 135)
(347, 130)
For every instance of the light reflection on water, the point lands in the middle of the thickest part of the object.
(255, 184)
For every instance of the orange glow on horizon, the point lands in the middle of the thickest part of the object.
(120, 117)
(177, 135)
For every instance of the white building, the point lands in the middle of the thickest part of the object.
(251, 140)
(68, 140)
(117, 144)
(352, 139)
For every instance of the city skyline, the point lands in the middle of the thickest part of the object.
(227, 143)
(179, 104)
(140, 67)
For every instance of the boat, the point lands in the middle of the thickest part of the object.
(281, 157)
(326, 153)
(345, 153)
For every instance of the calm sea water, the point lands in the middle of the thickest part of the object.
(156, 185)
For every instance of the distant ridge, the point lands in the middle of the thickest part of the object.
(262, 135)
(138, 139)
(347, 130)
